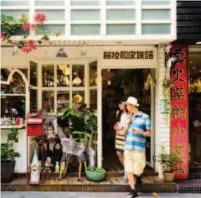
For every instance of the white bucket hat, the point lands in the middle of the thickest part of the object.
(133, 101)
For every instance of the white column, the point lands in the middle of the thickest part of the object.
(103, 17)
(162, 121)
(99, 115)
(67, 18)
(138, 17)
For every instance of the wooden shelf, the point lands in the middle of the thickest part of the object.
(13, 94)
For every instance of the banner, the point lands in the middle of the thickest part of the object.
(179, 109)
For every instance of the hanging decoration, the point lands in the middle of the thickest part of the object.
(195, 86)
(149, 82)
(77, 80)
(11, 25)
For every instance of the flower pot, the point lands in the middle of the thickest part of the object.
(7, 170)
(169, 176)
(95, 176)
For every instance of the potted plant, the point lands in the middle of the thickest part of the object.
(8, 156)
(80, 121)
(168, 163)
(95, 174)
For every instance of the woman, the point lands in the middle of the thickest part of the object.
(121, 127)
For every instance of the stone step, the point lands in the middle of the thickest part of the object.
(110, 184)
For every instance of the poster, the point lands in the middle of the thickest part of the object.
(179, 109)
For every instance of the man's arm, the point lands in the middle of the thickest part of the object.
(147, 133)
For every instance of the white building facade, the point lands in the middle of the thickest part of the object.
(90, 29)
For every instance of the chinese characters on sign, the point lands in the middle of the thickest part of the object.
(179, 110)
(128, 54)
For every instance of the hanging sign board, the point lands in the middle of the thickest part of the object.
(179, 110)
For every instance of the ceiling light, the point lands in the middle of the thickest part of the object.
(200, 71)
(191, 62)
(194, 68)
(198, 43)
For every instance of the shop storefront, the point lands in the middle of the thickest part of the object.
(113, 38)
(185, 100)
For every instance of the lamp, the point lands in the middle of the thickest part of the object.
(77, 80)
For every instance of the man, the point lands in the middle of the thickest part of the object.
(134, 154)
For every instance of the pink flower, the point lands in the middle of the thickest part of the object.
(3, 36)
(26, 26)
(40, 17)
(26, 49)
(32, 45)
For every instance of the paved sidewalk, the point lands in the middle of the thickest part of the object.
(7, 194)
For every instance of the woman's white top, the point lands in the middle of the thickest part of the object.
(124, 120)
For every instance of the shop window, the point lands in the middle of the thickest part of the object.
(155, 28)
(62, 100)
(49, 3)
(14, 3)
(33, 74)
(16, 86)
(120, 14)
(93, 99)
(48, 75)
(84, 3)
(53, 15)
(63, 75)
(48, 101)
(78, 75)
(118, 3)
(155, 3)
(120, 29)
(93, 79)
(85, 15)
(155, 14)
(89, 29)
(4, 74)
(52, 28)
(12, 106)
(33, 99)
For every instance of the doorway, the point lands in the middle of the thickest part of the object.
(118, 84)
(194, 66)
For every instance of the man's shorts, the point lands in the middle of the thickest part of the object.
(135, 161)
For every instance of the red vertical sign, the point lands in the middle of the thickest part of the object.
(179, 109)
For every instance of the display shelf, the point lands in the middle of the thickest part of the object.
(13, 94)
(12, 127)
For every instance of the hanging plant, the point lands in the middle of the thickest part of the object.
(167, 83)
(12, 25)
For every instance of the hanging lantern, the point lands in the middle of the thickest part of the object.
(77, 80)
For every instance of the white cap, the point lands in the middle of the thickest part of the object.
(133, 101)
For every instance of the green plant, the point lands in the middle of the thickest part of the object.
(168, 161)
(95, 170)
(81, 123)
(11, 27)
(7, 151)
(167, 83)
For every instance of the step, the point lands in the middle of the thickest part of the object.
(110, 184)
